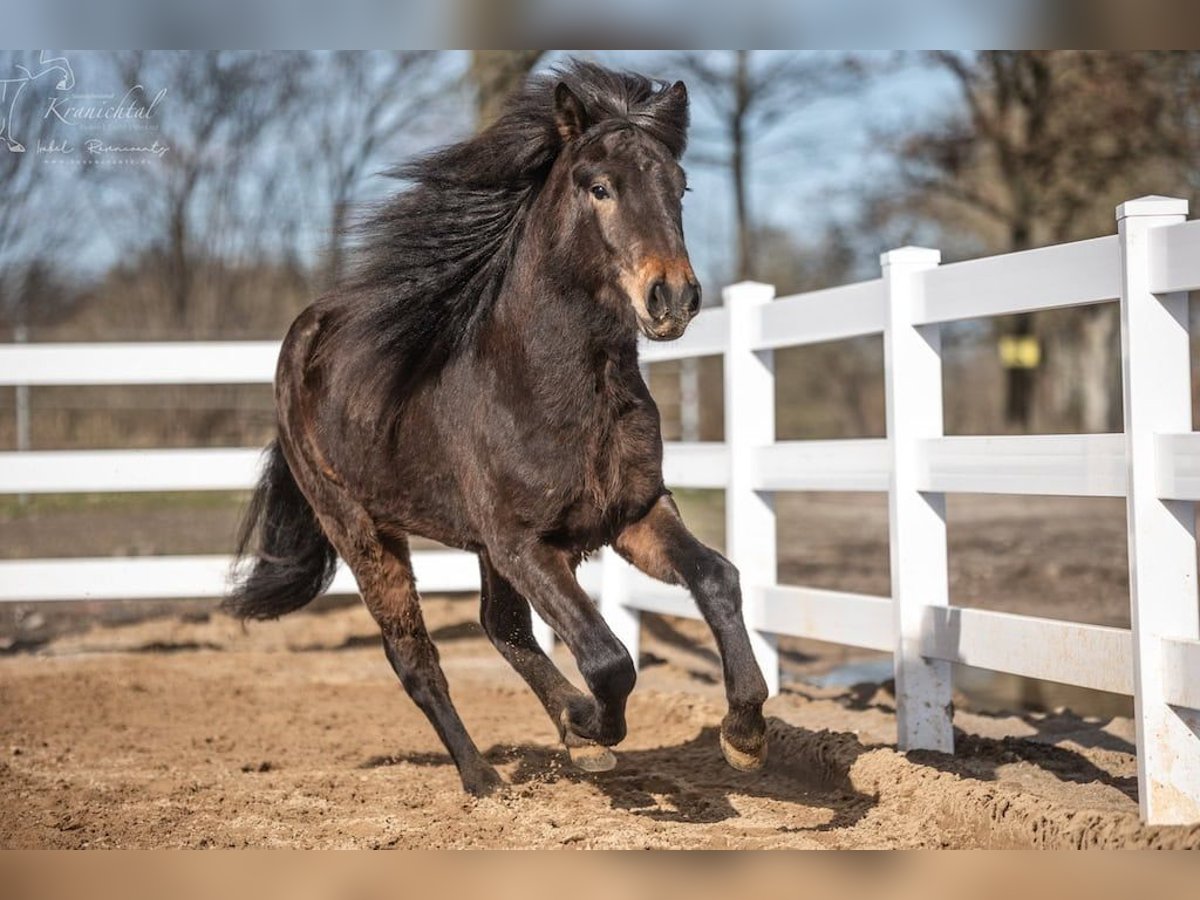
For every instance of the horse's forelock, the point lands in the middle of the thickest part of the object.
(656, 107)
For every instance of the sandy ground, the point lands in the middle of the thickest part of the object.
(160, 724)
(173, 733)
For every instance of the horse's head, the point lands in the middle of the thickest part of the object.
(620, 182)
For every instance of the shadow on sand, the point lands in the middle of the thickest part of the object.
(691, 782)
(981, 757)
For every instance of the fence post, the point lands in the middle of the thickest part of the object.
(750, 424)
(1156, 375)
(21, 392)
(913, 376)
(614, 596)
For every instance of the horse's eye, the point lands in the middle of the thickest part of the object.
(600, 192)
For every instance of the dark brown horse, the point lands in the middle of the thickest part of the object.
(476, 382)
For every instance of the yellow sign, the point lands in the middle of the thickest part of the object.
(1022, 352)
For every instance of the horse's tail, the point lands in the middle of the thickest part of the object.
(294, 561)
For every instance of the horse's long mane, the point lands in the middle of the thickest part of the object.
(432, 259)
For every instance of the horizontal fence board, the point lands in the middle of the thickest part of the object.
(1091, 656)
(707, 335)
(172, 577)
(695, 465)
(1046, 278)
(1177, 466)
(168, 577)
(183, 362)
(1174, 258)
(852, 465)
(1181, 675)
(119, 578)
(246, 362)
(648, 595)
(834, 314)
(1082, 465)
(100, 471)
(858, 620)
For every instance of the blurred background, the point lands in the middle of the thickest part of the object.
(202, 195)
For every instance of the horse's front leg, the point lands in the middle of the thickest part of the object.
(661, 546)
(505, 617)
(542, 574)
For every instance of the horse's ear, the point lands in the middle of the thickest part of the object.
(672, 105)
(668, 110)
(677, 96)
(569, 115)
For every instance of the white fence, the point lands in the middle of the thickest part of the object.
(1148, 267)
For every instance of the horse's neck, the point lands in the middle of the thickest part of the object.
(575, 366)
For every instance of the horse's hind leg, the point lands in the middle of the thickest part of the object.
(506, 619)
(383, 569)
(390, 593)
(380, 563)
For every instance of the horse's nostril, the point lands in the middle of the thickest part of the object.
(693, 298)
(656, 303)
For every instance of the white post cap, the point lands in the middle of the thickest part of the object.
(921, 256)
(1152, 205)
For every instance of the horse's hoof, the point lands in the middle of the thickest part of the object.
(484, 783)
(593, 758)
(740, 759)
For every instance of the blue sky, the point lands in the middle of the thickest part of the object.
(811, 171)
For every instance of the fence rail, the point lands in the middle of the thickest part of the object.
(1154, 464)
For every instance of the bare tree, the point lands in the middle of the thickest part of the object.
(751, 94)
(368, 102)
(1043, 143)
(35, 226)
(211, 184)
(1178, 74)
(495, 74)
(829, 389)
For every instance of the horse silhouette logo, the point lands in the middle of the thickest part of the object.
(11, 90)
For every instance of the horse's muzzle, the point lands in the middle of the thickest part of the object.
(670, 306)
